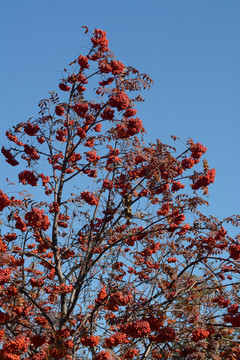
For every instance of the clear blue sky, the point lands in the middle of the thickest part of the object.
(190, 48)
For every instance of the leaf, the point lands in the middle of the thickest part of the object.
(73, 62)
(86, 29)
(205, 165)
(205, 192)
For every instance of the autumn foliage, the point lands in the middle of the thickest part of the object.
(104, 253)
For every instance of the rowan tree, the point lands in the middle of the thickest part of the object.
(104, 252)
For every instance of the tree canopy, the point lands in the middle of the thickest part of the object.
(104, 252)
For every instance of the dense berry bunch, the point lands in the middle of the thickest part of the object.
(199, 334)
